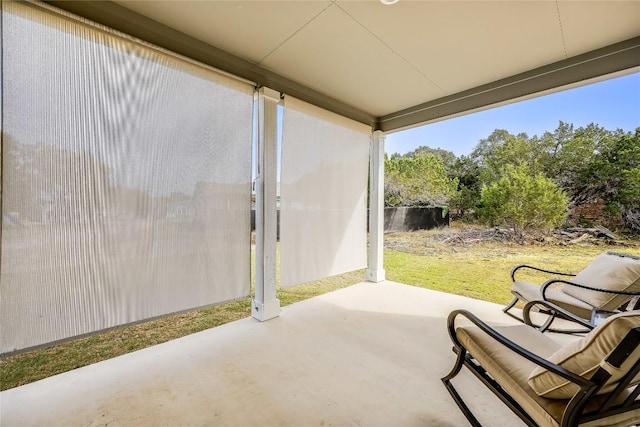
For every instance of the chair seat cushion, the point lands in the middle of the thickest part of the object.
(584, 356)
(530, 292)
(606, 271)
(511, 371)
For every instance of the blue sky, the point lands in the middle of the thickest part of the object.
(612, 104)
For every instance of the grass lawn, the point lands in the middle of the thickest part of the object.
(478, 271)
(482, 271)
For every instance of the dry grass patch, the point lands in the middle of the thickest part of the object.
(440, 260)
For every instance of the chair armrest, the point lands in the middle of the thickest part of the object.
(521, 266)
(548, 283)
(559, 312)
(552, 367)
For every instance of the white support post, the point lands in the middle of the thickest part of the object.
(265, 305)
(375, 272)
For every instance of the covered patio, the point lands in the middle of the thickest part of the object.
(366, 355)
(134, 136)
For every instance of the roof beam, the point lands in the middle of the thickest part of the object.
(597, 63)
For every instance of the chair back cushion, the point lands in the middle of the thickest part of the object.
(606, 271)
(584, 356)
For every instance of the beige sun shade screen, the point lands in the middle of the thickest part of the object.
(325, 160)
(126, 181)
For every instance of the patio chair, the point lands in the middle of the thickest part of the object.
(608, 283)
(593, 381)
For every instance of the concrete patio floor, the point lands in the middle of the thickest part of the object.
(366, 355)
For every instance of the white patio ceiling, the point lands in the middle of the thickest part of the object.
(392, 66)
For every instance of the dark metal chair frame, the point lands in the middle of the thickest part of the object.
(554, 314)
(574, 413)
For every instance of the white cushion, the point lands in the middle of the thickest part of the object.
(606, 271)
(584, 356)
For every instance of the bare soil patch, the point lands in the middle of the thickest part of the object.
(458, 236)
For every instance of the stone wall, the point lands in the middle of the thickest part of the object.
(410, 219)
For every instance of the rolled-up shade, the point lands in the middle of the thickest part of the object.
(126, 180)
(323, 187)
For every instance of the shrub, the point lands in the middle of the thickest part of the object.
(523, 202)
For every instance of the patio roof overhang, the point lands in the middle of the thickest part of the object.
(392, 67)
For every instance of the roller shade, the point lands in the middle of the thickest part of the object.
(126, 180)
(325, 160)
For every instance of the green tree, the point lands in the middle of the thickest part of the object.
(448, 157)
(566, 152)
(614, 175)
(467, 195)
(464, 200)
(502, 148)
(485, 147)
(417, 181)
(523, 201)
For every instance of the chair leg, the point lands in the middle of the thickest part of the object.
(511, 304)
(548, 322)
(461, 352)
(543, 328)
